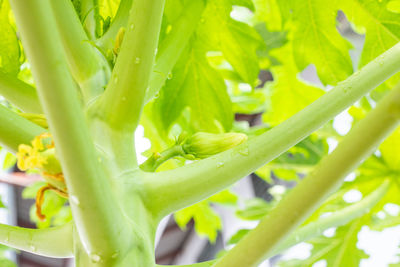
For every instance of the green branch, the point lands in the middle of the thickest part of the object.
(16, 130)
(88, 68)
(106, 42)
(19, 93)
(92, 201)
(328, 175)
(172, 46)
(56, 242)
(122, 102)
(172, 190)
(336, 219)
(90, 13)
(153, 162)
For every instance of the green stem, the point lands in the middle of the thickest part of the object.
(16, 130)
(172, 46)
(153, 162)
(106, 42)
(328, 175)
(86, 65)
(122, 102)
(92, 201)
(90, 13)
(175, 189)
(336, 219)
(56, 242)
(19, 93)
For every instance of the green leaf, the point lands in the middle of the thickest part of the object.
(194, 84)
(390, 150)
(255, 209)
(207, 222)
(9, 161)
(236, 40)
(272, 13)
(9, 46)
(225, 197)
(382, 29)
(288, 93)
(340, 250)
(393, 6)
(238, 236)
(316, 40)
(7, 263)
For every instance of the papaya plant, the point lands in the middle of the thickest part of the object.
(79, 77)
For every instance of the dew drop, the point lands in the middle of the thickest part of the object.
(156, 51)
(74, 199)
(157, 95)
(95, 258)
(33, 248)
(116, 80)
(132, 26)
(244, 151)
(220, 164)
(114, 255)
(137, 60)
(169, 76)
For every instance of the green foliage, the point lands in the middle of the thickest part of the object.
(9, 45)
(54, 207)
(340, 250)
(207, 222)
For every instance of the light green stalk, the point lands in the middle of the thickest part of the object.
(16, 130)
(86, 64)
(19, 93)
(328, 175)
(172, 190)
(56, 242)
(97, 216)
(106, 42)
(122, 102)
(90, 13)
(336, 219)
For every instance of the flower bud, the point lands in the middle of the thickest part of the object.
(202, 145)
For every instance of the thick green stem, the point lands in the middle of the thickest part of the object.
(175, 189)
(106, 42)
(328, 175)
(87, 66)
(56, 242)
(336, 219)
(97, 216)
(122, 102)
(16, 130)
(172, 46)
(19, 93)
